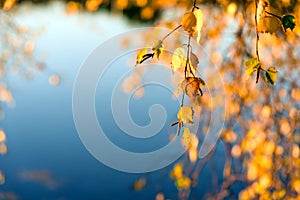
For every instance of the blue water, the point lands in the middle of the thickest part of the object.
(46, 159)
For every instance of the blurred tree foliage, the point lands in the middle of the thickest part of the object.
(148, 10)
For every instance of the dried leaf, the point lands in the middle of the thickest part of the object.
(194, 61)
(192, 86)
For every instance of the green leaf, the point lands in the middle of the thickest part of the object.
(288, 21)
(252, 64)
(157, 48)
(271, 75)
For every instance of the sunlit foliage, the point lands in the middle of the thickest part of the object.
(261, 134)
(262, 128)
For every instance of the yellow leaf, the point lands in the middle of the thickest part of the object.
(186, 138)
(178, 58)
(268, 24)
(185, 114)
(157, 48)
(177, 171)
(199, 23)
(189, 23)
(252, 64)
(140, 55)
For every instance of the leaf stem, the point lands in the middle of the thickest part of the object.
(165, 37)
(182, 100)
(187, 57)
(257, 34)
(194, 5)
(280, 18)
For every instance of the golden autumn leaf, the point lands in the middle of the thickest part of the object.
(178, 58)
(186, 138)
(268, 24)
(189, 23)
(252, 65)
(140, 55)
(185, 114)
(199, 23)
(143, 56)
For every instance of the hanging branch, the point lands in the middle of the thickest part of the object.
(257, 40)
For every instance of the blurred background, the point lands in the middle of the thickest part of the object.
(42, 46)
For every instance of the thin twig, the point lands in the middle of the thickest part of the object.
(257, 34)
(170, 33)
(194, 6)
(257, 40)
(187, 57)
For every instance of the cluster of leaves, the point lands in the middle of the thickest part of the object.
(183, 61)
(267, 22)
(253, 65)
(261, 134)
